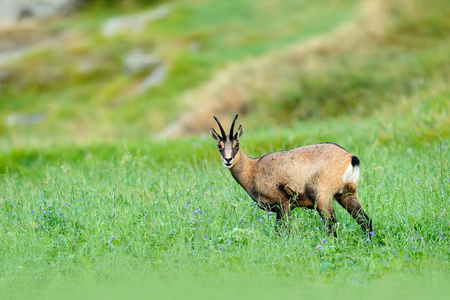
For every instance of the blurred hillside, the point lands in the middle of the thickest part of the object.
(119, 70)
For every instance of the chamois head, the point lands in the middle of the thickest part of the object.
(228, 144)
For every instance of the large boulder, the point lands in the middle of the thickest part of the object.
(13, 11)
(137, 61)
(134, 23)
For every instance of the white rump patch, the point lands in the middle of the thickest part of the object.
(351, 174)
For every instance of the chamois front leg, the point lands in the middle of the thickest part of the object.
(283, 215)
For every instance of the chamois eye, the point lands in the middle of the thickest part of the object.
(237, 145)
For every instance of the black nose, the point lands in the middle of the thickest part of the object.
(228, 160)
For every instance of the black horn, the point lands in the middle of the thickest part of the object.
(232, 125)
(221, 128)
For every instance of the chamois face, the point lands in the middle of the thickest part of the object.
(228, 144)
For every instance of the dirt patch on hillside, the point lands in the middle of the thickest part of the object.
(233, 89)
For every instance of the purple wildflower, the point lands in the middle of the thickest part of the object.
(32, 211)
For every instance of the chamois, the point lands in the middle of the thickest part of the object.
(309, 176)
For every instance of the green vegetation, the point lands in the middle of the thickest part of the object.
(90, 207)
(103, 98)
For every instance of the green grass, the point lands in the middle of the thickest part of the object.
(161, 210)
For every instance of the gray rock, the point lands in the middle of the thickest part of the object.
(137, 61)
(156, 77)
(12, 11)
(133, 23)
(17, 119)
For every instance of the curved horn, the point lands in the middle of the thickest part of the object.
(232, 125)
(221, 128)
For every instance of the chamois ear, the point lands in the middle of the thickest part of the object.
(215, 135)
(239, 133)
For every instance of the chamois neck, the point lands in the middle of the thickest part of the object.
(243, 168)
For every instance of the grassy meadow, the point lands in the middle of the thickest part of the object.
(93, 205)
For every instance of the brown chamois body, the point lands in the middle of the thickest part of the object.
(309, 176)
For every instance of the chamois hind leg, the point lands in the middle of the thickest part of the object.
(350, 201)
(324, 207)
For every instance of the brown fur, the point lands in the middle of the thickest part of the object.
(309, 176)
